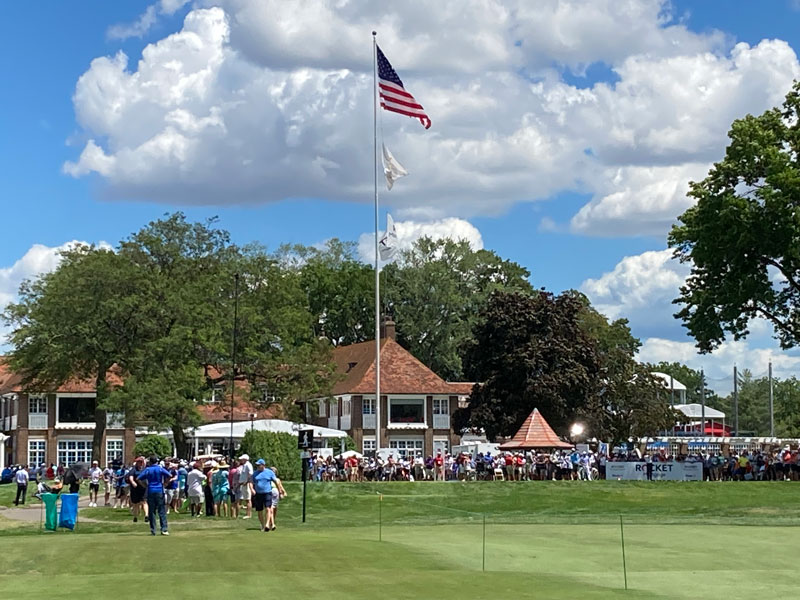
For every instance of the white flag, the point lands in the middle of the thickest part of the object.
(392, 169)
(388, 243)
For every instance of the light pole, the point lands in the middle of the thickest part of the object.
(233, 356)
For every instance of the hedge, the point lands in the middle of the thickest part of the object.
(279, 450)
(153, 445)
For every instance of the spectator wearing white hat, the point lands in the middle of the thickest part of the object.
(245, 479)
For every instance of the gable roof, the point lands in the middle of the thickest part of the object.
(401, 372)
(11, 381)
(534, 433)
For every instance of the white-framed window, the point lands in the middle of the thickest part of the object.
(36, 452)
(76, 408)
(115, 449)
(368, 445)
(72, 451)
(323, 408)
(407, 447)
(441, 406)
(37, 404)
(442, 444)
(407, 410)
(368, 406)
(335, 408)
(217, 394)
(346, 407)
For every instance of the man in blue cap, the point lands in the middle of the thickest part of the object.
(261, 486)
(155, 475)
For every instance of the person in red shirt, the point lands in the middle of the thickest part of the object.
(438, 464)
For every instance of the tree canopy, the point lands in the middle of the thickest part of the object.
(742, 237)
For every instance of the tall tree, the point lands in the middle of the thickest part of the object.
(85, 317)
(629, 402)
(339, 289)
(787, 407)
(436, 291)
(742, 237)
(529, 351)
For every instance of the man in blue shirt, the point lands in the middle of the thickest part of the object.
(154, 476)
(262, 491)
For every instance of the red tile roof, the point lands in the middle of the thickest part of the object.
(534, 433)
(11, 381)
(221, 411)
(401, 373)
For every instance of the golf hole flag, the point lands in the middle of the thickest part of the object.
(388, 243)
(394, 96)
(392, 169)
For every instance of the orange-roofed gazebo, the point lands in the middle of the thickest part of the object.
(535, 433)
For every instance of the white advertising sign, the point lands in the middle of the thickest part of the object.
(662, 471)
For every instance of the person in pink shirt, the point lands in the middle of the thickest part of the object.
(233, 481)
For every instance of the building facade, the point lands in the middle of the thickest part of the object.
(57, 427)
(416, 404)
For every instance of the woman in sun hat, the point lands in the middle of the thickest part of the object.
(220, 487)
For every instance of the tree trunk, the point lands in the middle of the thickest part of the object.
(181, 444)
(99, 415)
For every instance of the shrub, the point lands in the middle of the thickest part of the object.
(151, 445)
(277, 449)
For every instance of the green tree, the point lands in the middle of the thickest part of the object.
(753, 404)
(90, 314)
(629, 402)
(436, 291)
(153, 445)
(339, 289)
(279, 450)
(743, 234)
(786, 394)
(529, 351)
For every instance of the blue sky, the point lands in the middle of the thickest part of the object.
(569, 201)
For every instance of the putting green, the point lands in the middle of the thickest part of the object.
(731, 541)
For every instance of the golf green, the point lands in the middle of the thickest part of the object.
(445, 541)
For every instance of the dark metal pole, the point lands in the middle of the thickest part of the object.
(735, 402)
(233, 356)
(771, 404)
(703, 400)
(305, 477)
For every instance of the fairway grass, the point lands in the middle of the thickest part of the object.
(446, 541)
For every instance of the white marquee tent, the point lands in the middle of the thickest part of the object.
(207, 438)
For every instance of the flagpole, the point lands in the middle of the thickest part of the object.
(377, 255)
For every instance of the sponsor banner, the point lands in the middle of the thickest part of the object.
(662, 471)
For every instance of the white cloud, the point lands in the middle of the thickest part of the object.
(138, 28)
(258, 101)
(141, 26)
(640, 288)
(718, 366)
(409, 232)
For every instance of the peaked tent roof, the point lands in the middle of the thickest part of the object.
(401, 373)
(535, 433)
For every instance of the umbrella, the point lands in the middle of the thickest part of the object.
(350, 453)
(80, 469)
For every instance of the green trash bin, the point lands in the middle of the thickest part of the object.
(50, 511)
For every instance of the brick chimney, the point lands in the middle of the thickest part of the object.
(388, 328)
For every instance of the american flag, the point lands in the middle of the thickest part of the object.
(394, 96)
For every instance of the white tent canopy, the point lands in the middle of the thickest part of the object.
(695, 411)
(223, 430)
(670, 382)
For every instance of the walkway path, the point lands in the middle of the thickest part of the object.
(33, 513)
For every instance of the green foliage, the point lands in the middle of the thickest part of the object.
(350, 444)
(787, 407)
(153, 445)
(436, 292)
(529, 352)
(91, 313)
(279, 450)
(743, 234)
